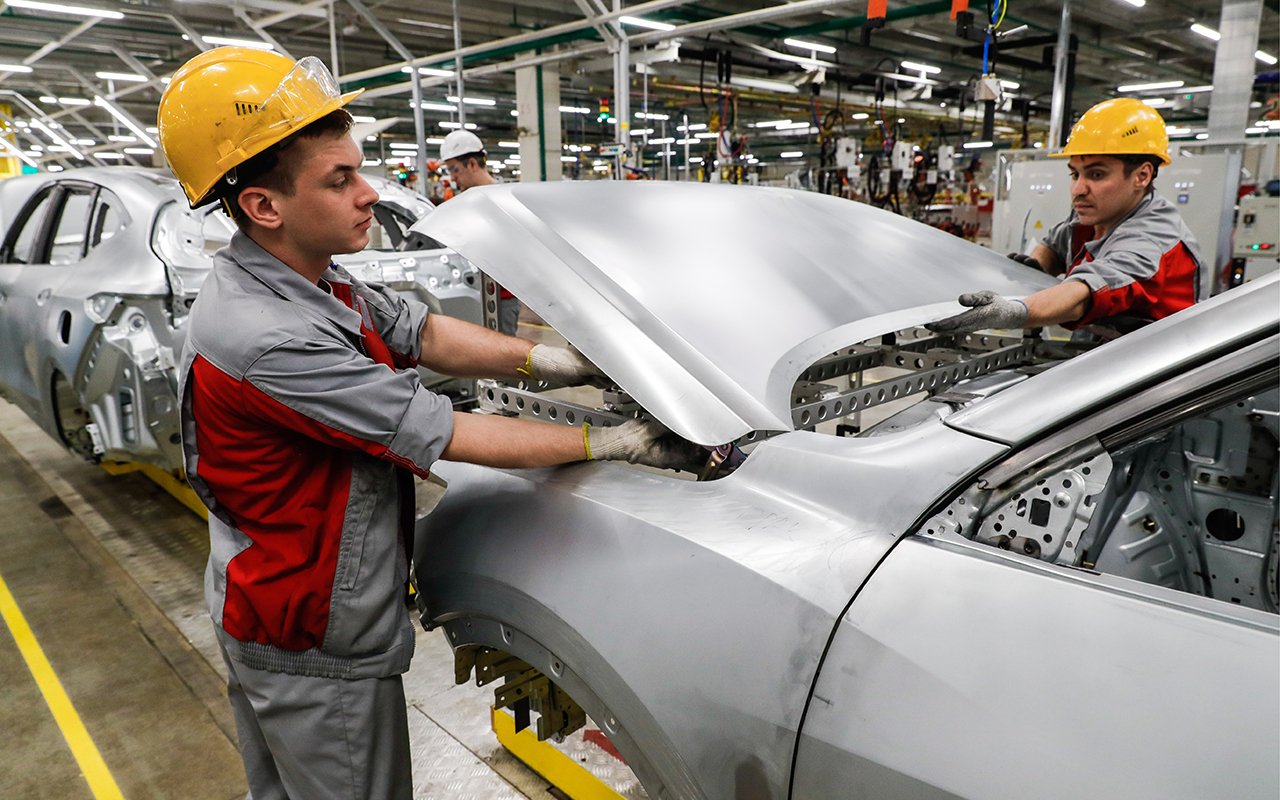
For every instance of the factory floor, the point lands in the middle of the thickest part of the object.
(113, 686)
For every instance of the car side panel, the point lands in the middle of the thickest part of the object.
(964, 671)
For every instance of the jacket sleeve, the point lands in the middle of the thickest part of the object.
(326, 391)
(1058, 239)
(1129, 276)
(397, 318)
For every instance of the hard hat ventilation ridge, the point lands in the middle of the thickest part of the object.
(1131, 132)
(245, 109)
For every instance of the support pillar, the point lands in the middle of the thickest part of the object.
(1233, 70)
(538, 122)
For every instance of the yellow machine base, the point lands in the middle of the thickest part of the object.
(165, 480)
(559, 769)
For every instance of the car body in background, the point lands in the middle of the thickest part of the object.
(98, 269)
(1049, 579)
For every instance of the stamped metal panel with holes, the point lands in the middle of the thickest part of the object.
(687, 618)
(708, 326)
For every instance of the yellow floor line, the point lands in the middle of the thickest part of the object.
(82, 747)
(567, 775)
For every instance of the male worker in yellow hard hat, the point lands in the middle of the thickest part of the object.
(1127, 255)
(465, 158)
(303, 423)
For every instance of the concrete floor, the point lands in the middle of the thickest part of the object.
(107, 571)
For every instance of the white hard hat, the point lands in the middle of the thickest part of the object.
(460, 143)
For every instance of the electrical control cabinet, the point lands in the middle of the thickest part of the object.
(1256, 248)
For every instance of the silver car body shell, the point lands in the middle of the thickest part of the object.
(120, 370)
(704, 626)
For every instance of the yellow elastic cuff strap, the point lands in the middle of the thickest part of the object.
(527, 369)
(586, 441)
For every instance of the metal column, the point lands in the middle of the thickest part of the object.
(538, 122)
(457, 64)
(1058, 110)
(1233, 70)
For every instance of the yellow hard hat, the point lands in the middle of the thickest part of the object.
(1119, 127)
(228, 104)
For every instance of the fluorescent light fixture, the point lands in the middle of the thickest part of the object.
(773, 123)
(1195, 89)
(110, 156)
(802, 44)
(410, 146)
(55, 168)
(697, 126)
(696, 159)
(14, 68)
(18, 154)
(434, 72)
(569, 159)
(1150, 87)
(139, 151)
(371, 162)
(902, 121)
(1208, 33)
(471, 126)
(1037, 145)
(641, 131)
(256, 44)
(898, 76)
(102, 102)
(430, 106)
(1174, 130)
(659, 117)
(152, 129)
(473, 101)
(515, 113)
(977, 145)
(574, 110)
(1157, 102)
(361, 118)
(860, 115)
(765, 85)
(1136, 3)
(117, 137)
(74, 101)
(435, 140)
(371, 138)
(792, 154)
(62, 8)
(84, 142)
(47, 100)
(1202, 136)
(1255, 130)
(1010, 84)
(510, 145)
(790, 126)
(121, 76)
(686, 141)
(641, 22)
(668, 153)
(915, 66)
(663, 140)
(706, 135)
(1265, 58)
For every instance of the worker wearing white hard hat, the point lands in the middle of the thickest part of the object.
(464, 157)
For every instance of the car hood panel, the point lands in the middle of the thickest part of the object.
(706, 302)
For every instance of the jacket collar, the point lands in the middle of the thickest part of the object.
(279, 278)
(1094, 246)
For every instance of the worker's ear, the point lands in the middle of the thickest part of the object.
(260, 207)
(1144, 175)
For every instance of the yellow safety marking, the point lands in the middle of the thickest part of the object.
(82, 747)
(172, 484)
(535, 325)
(567, 775)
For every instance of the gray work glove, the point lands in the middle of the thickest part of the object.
(563, 366)
(986, 310)
(1025, 260)
(643, 442)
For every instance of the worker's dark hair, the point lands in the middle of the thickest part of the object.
(266, 170)
(479, 156)
(1132, 162)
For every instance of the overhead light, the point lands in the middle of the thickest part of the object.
(687, 141)
(659, 117)
(697, 126)
(435, 72)
(360, 118)
(473, 101)
(74, 101)
(928, 69)
(1255, 130)
(641, 131)
(371, 138)
(641, 22)
(471, 126)
(117, 137)
(569, 159)
(1150, 87)
(668, 153)
(1174, 130)
(371, 162)
(977, 145)
(1208, 33)
(402, 145)
(510, 145)
(1196, 89)
(792, 154)
(801, 44)
(1202, 136)
(860, 115)
(1010, 84)
(139, 151)
(898, 76)
(84, 142)
(46, 99)
(574, 110)
(152, 129)
(62, 8)
(1136, 3)
(1265, 58)
(109, 156)
(663, 140)
(902, 121)
(256, 44)
(1157, 102)
(121, 76)
(102, 102)
(515, 113)
(766, 85)
(435, 140)
(696, 159)
(14, 68)
(429, 106)
(706, 135)
(773, 123)
(1037, 145)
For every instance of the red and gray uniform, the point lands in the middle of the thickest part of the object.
(298, 434)
(1147, 268)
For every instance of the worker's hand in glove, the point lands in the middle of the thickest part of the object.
(563, 366)
(643, 442)
(986, 310)
(1025, 260)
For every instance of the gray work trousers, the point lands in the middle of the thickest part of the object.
(508, 315)
(307, 738)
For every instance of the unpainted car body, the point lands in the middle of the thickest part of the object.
(97, 271)
(1008, 594)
